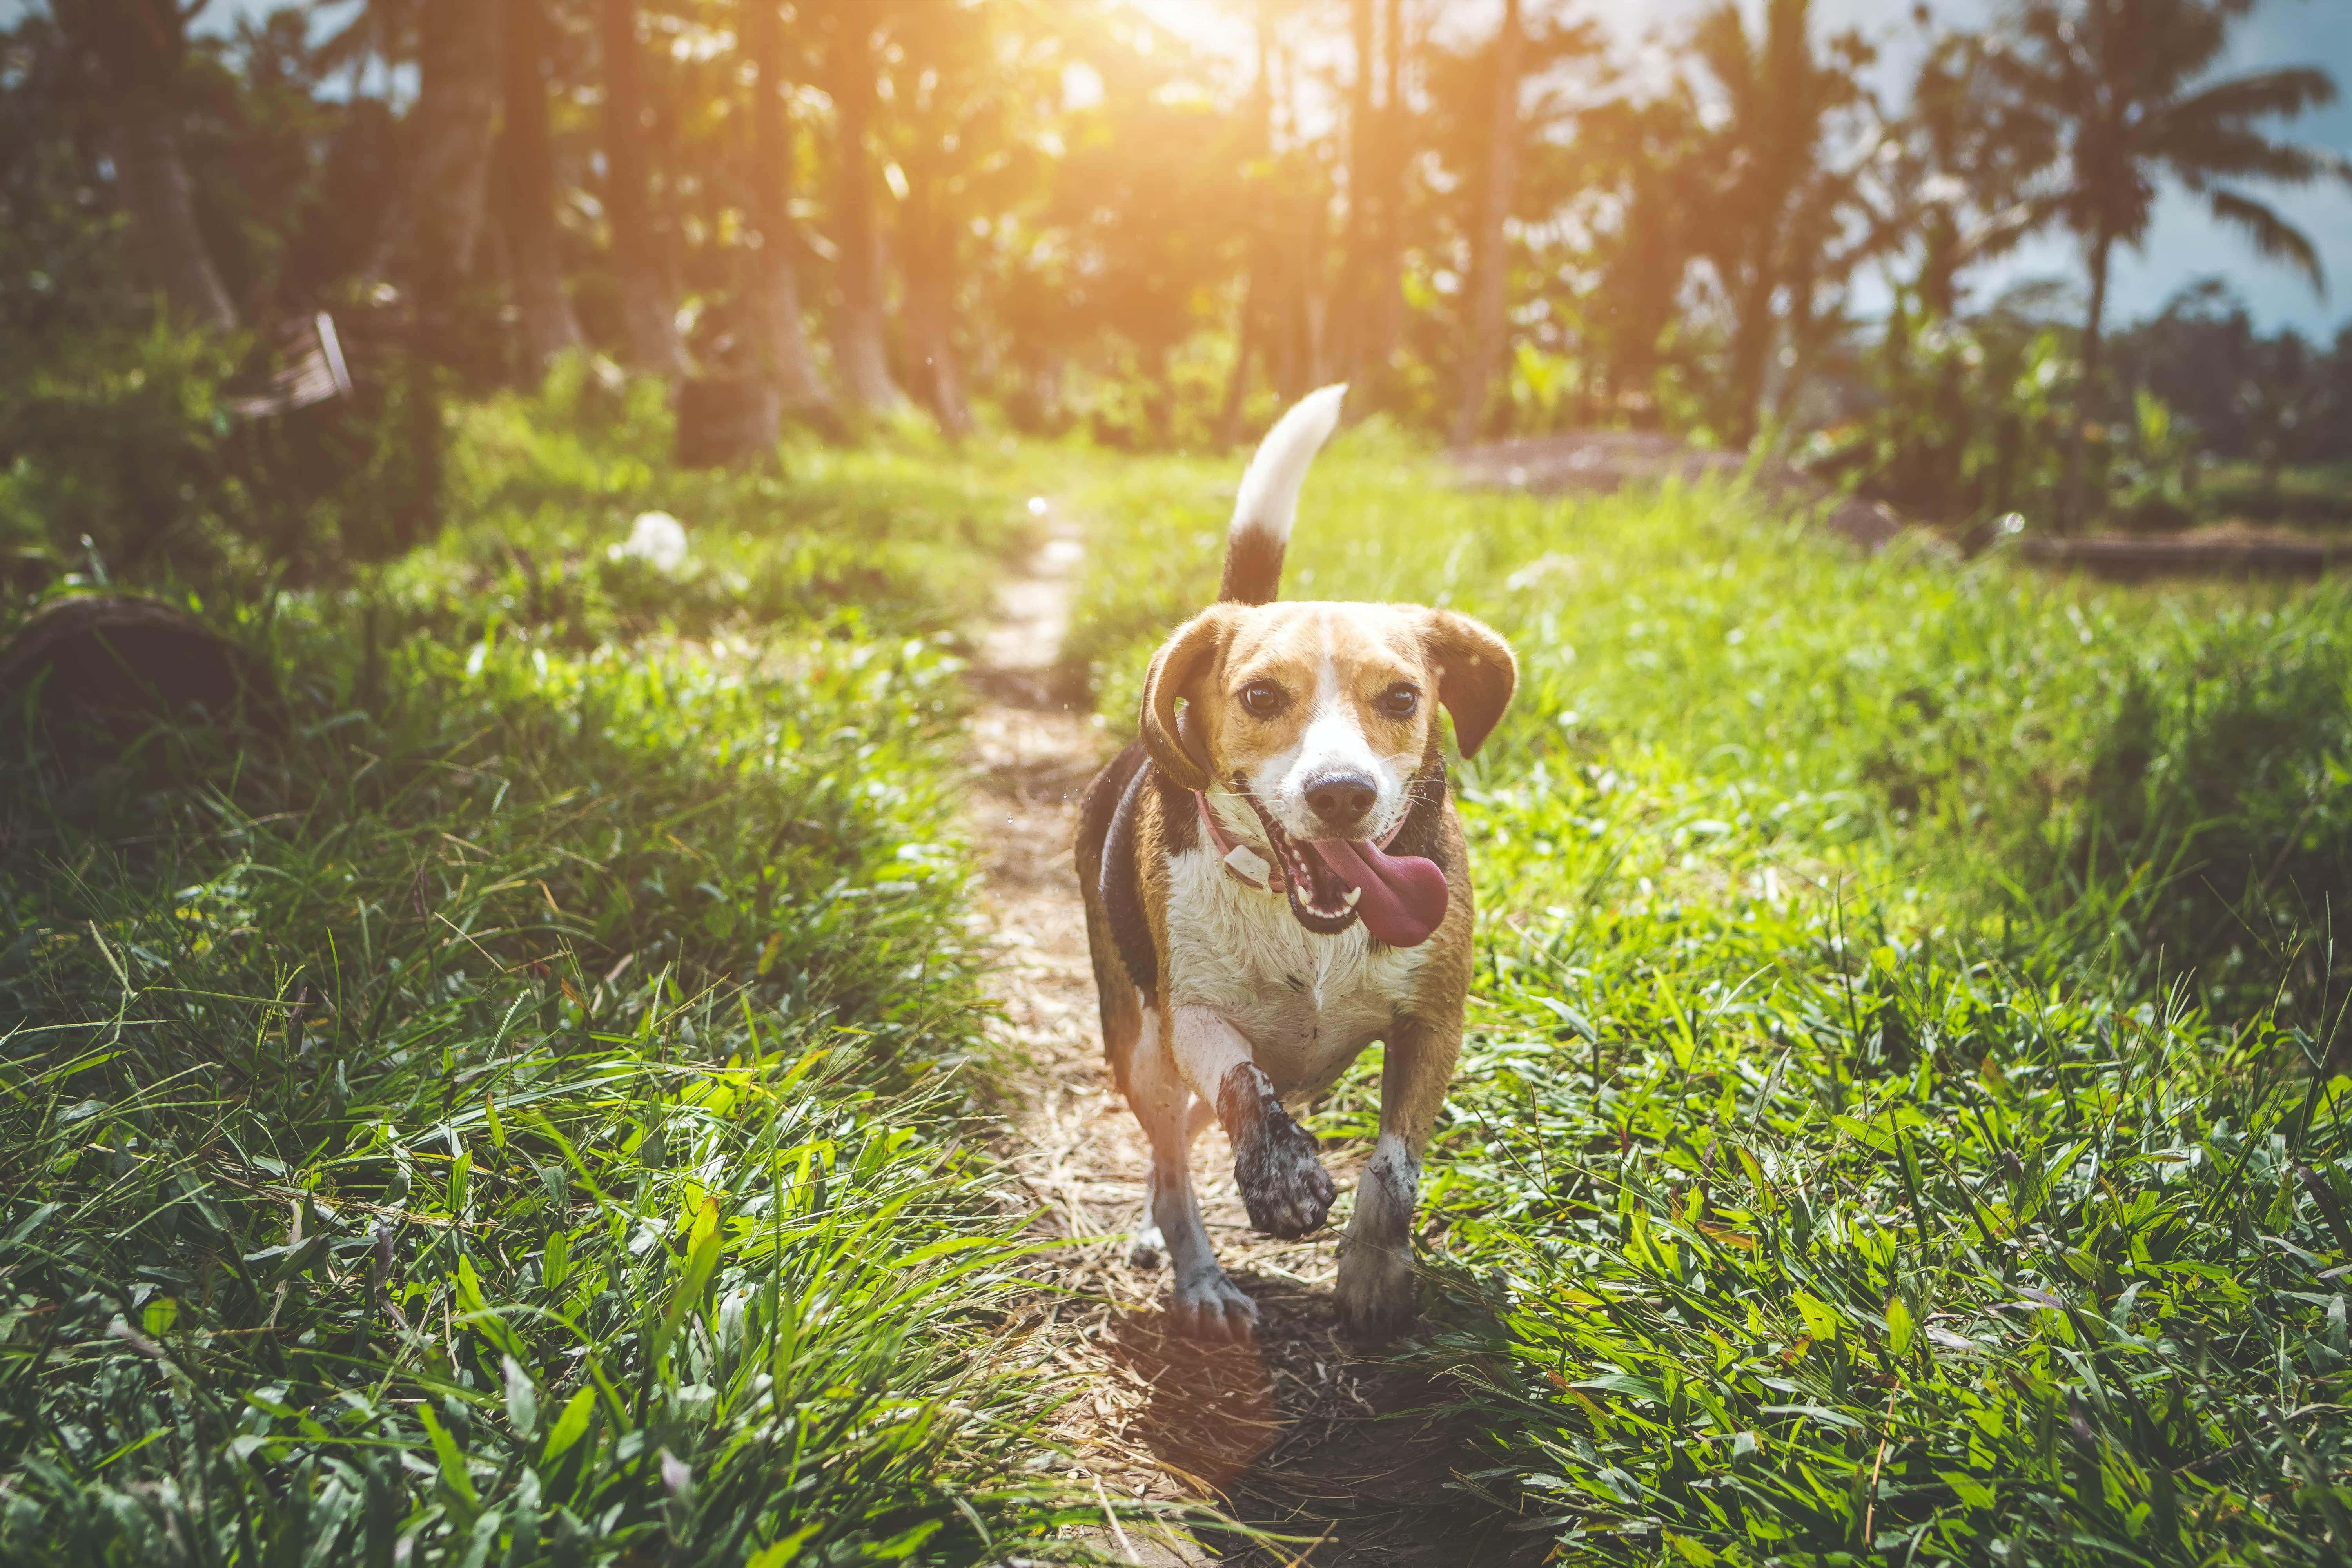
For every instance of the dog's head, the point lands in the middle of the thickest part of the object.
(1323, 714)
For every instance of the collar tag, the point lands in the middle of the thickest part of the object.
(1243, 864)
(1247, 866)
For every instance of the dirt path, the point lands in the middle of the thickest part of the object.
(1298, 1434)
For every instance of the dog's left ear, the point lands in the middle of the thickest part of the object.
(1174, 668)
(1475, 674)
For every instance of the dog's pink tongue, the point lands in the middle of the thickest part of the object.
(1403, 895)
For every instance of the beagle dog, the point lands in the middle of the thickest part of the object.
(1275, 878)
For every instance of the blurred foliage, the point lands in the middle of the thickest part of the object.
(1104, 226)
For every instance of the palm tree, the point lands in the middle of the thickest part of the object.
(2123, 86)
(1778, 234)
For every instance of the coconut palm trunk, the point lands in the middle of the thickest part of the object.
(456, 113)
(140, 47)
(1256, 288)
(931, 268)
(1490, 261)
(860, 329)
(778, 327)
(1349, 337)
(649, 314)
(2076, 510)
(526, 207)
(160, 200)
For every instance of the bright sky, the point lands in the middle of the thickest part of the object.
(2185, 245)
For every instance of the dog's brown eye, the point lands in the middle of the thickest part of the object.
(1400, 701)
(1262, 698)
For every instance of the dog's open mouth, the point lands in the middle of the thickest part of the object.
(1333, 883)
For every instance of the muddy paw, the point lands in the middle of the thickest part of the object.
(1283, 1182)
(1207, 1307)
(1375, 1292)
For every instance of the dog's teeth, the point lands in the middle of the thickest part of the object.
(1350, 901)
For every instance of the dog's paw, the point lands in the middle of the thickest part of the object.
(1207, 1307)
(1146, 1251)
(1283, 1182)
(1375, 1291)
(1276, 1165)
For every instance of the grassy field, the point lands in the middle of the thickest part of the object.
(523, 1112)
(1894, 1124)
(532, 1110)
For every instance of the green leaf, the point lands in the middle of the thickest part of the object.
(1821, 1318)
(775, 1554)
(573, 1425)
(701, 1262)
(451, 1458)
(1862, 1132)
(522, 1398)
(1899, 1326)
(160, 1315)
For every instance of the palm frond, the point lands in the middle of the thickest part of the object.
(2285, 93)
(2201, 155)
(2274, 238)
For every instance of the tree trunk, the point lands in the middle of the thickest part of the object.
(1490, 262)
(456, 119)
(528, 220)
(930, 251)
(860, 348)
(780, 333)
(140, 47)
(1248, 333)
(1751, 348)
(1383, 301)
(649, 315)
(1349, 338)
(160, 201)
(2074, 511)
(1229, 418)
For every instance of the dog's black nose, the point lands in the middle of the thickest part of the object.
(1341, 801)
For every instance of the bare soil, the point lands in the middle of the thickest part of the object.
(1339, 1452)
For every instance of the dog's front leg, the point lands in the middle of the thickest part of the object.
(1204, 1304)
(1375, 1291)
(1283, 1182)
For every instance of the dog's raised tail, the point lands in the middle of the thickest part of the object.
(1269, 498)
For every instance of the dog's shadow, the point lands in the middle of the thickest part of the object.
(1309, 1435)
(1212, 1410)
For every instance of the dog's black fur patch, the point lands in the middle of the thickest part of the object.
(1253, 568)
(1118, 883)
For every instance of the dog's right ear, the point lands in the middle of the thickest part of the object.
(1174, 670)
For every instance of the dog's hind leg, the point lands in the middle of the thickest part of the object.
(1149, 1245)
(1375, 1289)
(1205, 1305)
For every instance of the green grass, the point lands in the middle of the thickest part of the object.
(522, 1114)
(532, 1110)
(1889, 1128)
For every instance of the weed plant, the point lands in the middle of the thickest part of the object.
(1896, 1122)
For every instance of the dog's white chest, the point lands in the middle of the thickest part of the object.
(1308, 1005)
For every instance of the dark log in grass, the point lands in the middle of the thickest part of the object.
(86, 676)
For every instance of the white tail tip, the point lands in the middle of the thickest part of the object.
(1269, 493)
